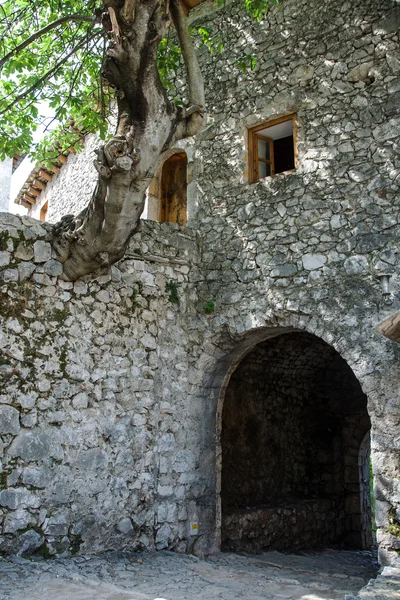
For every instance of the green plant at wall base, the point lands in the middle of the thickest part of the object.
(209, 307)
(394, 523)
(172, 288)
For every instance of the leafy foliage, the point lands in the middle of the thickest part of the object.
(259, 8)
(58, 70)
(50, 57)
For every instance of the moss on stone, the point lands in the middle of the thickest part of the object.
(209, 307)
(43, 551)
(75, 544)
(172, 288)
(394, 523)
(63, 359)
(3, 480)
(59, 315)
(4, 237)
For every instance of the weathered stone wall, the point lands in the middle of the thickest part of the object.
(305, 249)
(112, 417)
(285, 526)
(91, 457)
(70, 191)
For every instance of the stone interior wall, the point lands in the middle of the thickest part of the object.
(293, 420)
(291, 526)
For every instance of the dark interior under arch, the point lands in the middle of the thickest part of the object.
(295, 460)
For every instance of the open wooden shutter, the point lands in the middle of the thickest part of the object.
(263, 153)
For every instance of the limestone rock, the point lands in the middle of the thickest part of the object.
(42, 251)
(313, 261)
(9, 420)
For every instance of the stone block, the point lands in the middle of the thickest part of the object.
(9, 420)
(4, 259)
(57, 525)
(25, 270)
(24, 251)
(42, 251)
(53, 268)
(286, 270)
(125, 525)
(35, 476)
(38, 444)
(19, 519)
(356, 265)
(18, 498)
(10, 275)
(313, 261)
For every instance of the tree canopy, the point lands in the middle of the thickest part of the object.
(75, 56)
(51, 52)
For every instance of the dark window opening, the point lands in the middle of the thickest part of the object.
(284, 154)
(272, 148)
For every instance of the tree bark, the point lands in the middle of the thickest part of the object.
(148, 124)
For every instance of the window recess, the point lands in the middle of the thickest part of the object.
(272, 148)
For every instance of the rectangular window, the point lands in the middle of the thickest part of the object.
(272, 148)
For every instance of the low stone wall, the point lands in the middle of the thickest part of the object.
(293, 525)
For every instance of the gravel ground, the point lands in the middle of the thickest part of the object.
(327, 575)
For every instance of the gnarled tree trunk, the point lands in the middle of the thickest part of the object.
(148, 124)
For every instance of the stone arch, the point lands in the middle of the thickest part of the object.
(230, 346)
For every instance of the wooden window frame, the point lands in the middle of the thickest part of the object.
(253, 146)
(44, 210)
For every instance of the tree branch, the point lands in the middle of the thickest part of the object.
(47, 75)
(194, 76)
(192, 118)
(128, 11)
(43, 31)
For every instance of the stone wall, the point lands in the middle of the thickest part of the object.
(70, 191)
(305, 249)
(285, 526)
(91, 457)
(114, 394)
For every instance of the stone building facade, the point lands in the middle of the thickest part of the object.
(220, 387)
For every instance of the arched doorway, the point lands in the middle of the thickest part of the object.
(167, 192)
(293, 421)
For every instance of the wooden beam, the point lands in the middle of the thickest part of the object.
(45, 175)
(33, 192)
(62, 158)
(55, 169)
(390, 327)
(38, 184)
(28, 199)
